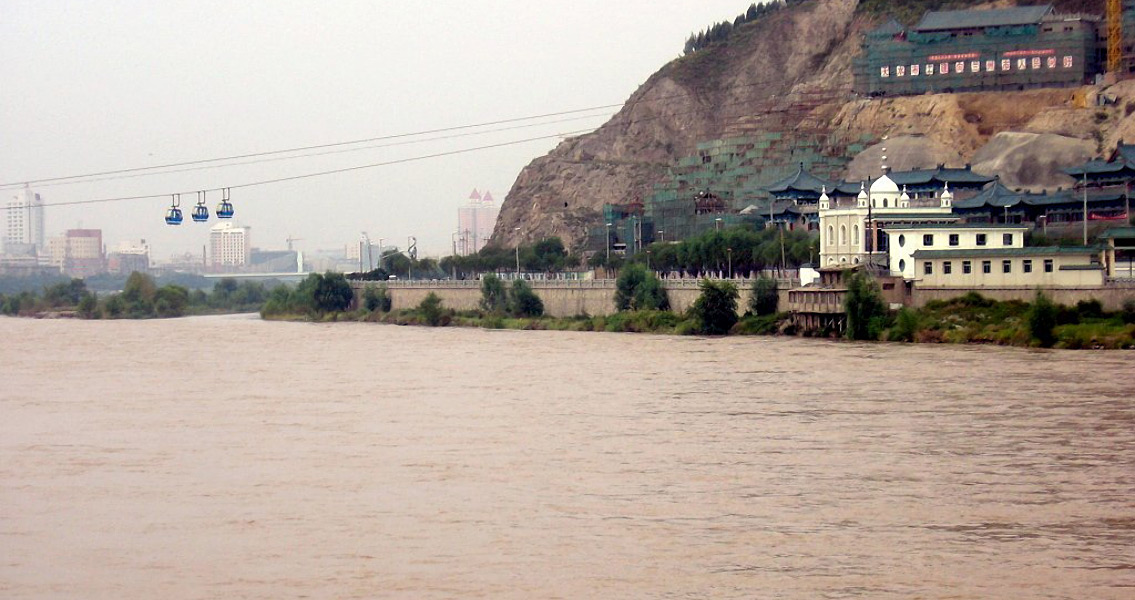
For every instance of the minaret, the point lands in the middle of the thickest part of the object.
(947, 198)
(825, 202)
(904, 199)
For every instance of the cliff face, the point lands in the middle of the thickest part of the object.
(748, 83)
(791, 72)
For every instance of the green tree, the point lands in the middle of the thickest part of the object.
(1042, 320)
(332, 293)
(523, 301)
(67, 293)
(636, 288)
(170, 301)
(376, 298)
(494, 297)
(764, 298)
(138, 295)
(864, 306)
(88, 306)
(431, 310)
(715, 310)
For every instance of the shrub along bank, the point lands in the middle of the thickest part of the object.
(967, 319)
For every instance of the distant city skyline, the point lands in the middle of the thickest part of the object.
(125, 84)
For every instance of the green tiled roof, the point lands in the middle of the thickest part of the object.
(1118, 232)
(909, 226)
(1006, 252)
(971, 19)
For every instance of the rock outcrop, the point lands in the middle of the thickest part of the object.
(790, 72)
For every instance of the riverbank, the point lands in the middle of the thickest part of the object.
(969, 319)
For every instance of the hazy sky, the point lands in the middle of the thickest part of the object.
(104, 85)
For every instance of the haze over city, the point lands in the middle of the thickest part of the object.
(103, 86)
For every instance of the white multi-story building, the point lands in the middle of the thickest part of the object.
(851, 235)
(230, 245)
(475, 222)
(23, 227)
(905, 240)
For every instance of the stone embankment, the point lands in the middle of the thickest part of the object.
(594, 297)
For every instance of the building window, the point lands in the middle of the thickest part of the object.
(967, 267)
(954, 241)
(987, 266)
(842, 234)
(831, 235)
(927, 268)
(1006, 266)
(1048, 265)
(1027, 266)
(855, 235)
(928, 239)
(981, 239)
(902, 240)
(947, 268)
(1007, 239)
(902, 265)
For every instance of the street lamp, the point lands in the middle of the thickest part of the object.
(661, 236)
(517, 229)
(730, 252)
(380, 240)
(453, 259)
(717, 224)
(648, 260)
(608, 245)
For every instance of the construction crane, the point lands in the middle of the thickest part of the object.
(1114, 35)
(291, 239)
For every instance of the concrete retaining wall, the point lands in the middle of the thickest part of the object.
(1111, 297)
(561, 298)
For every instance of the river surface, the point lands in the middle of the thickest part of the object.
(226, 457)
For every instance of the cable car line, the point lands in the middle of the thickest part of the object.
(630, 104)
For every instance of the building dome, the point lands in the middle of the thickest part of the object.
(884, 185)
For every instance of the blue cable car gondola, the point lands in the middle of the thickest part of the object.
(173, 217)
(200, 212)
(225, 208)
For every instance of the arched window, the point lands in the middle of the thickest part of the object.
(842, 260)
(842, 234)
(855, 234)
(902, 265)
(831, 235)
(855, 260)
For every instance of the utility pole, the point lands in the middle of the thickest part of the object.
(1085, 207)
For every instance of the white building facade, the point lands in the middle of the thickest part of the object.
(23, 225)
(230, 245)
(904, 240)
(852, 235)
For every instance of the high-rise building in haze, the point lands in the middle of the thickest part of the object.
(475, 222)
(229, 245)
(78, 252)
(23, 227)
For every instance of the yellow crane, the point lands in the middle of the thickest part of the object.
(1114, 35)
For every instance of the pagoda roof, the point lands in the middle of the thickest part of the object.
(941, 174)
(939, 20)
(889, 29)
(801, 181)
(1123, 157)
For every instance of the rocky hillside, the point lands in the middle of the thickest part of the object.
(791, 71)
